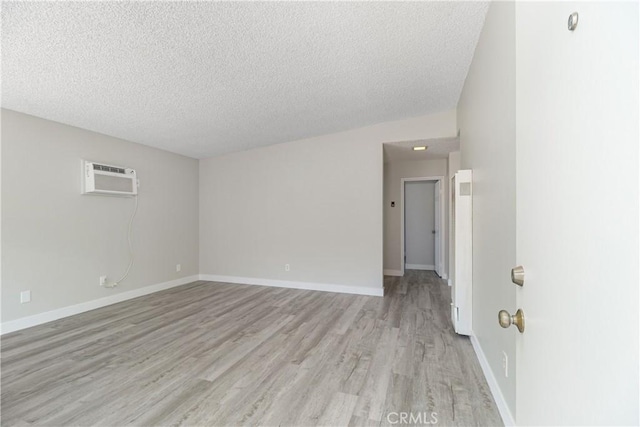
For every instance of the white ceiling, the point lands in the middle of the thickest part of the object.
(436, 149)
(204, 78)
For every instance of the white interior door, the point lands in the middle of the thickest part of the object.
(419, 217)
(437, 229)
(577, 213)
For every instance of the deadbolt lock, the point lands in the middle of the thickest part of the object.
(505, 319)
(517, 275)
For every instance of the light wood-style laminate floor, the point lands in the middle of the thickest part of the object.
(222, 354)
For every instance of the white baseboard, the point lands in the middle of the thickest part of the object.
(344, 289)
(48, 316)
(419, 267)
(505, 413)
(393, 273)
(449, 282)
(445, 277)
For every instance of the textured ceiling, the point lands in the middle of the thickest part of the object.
(436, 149)
(202, 78)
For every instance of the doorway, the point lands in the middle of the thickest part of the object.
(422, 224)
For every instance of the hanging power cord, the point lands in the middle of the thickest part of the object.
(129, 231)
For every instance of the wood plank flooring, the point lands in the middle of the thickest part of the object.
(214, 354)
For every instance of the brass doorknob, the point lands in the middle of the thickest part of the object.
(505, 319)
(517, 275)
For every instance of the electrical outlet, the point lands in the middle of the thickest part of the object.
(103, 280)
(505, 364)
(25, 296)
(287, 267)
(178, 267)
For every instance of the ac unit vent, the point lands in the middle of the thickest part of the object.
(108, 168)
(108, 180)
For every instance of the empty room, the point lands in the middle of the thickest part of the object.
(220, 213)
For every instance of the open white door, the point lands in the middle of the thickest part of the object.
(577, 213)
(437, 230)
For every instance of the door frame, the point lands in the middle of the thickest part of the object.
(440, 241)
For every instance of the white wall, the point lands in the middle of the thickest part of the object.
(419, 222)
(486, 117)
(314, 204)
(57, 242)
(393, 174)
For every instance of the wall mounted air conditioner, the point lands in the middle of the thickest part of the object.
(108, 180)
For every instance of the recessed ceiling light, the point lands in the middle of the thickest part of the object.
(419, 148)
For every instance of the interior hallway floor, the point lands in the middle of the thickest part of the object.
(224, 354)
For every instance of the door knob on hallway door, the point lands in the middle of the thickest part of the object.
(505, 319)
